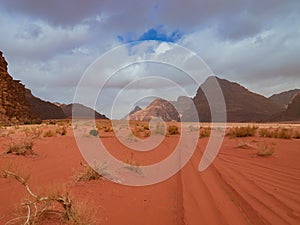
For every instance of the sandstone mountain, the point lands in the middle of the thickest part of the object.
(284, 98)
(14, 106)
(83, 111)
(43, 109)
(242, 105)
(158, 108)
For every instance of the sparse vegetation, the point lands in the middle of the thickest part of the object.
(266, 150)
(173, 130)
(62, 130)
(249, 131)
(37, 208)
(205, 132)
(50, 133)
(134, 166)
(296, 135)
(94, 132)
(23, 147)
(88, 173)
(281, 133)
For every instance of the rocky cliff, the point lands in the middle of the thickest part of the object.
(14, 106)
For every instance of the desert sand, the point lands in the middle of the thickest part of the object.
(239, 188)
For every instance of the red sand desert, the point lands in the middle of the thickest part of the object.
(239, 188)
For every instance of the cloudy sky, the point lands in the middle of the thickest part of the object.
(50, 44)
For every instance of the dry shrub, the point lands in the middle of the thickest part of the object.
(249, 131)
(134, 166)
(205, 132)
(88, 173)
(38, 208)
(62, 130)
(32, 132)
(173, 130)
(296, 135)
(266, 150)
(22, 147)
(50, 133)
(281, 133)
(107, 129)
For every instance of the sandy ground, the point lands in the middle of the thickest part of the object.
(238, 188)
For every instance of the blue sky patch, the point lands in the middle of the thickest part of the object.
(153, 34)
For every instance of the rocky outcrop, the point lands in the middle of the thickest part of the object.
(284, 98)
(42, 109)
(242, 105)
(14, 106)
(158, 108)
(136, 109)
(82, 111)
(292, 113)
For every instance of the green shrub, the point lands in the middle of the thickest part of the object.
(93, 132)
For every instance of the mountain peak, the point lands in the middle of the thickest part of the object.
(157, 108)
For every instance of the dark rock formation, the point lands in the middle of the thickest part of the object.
(241, 104)
(42, 109)
(83, 111)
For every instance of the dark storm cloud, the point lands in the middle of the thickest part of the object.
(50, 43)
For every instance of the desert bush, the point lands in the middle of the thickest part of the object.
(88, 173)
(108, 129)
(173, 130)
(61, 130)
(266, 150)
(146, 127)
(296, 135)
(281, 133)
(49, 133)
(94, 132)
(205, 132)
(134, 166)
(23, 147)
(36, 207)
(249, 131)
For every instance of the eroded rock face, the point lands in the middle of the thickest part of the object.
(292, 112)
(283, 99)
(14, 107)
(158, 108)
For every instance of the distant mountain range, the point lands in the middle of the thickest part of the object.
(242, 105)
(17, 105)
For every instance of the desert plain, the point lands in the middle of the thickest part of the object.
(254, 179)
